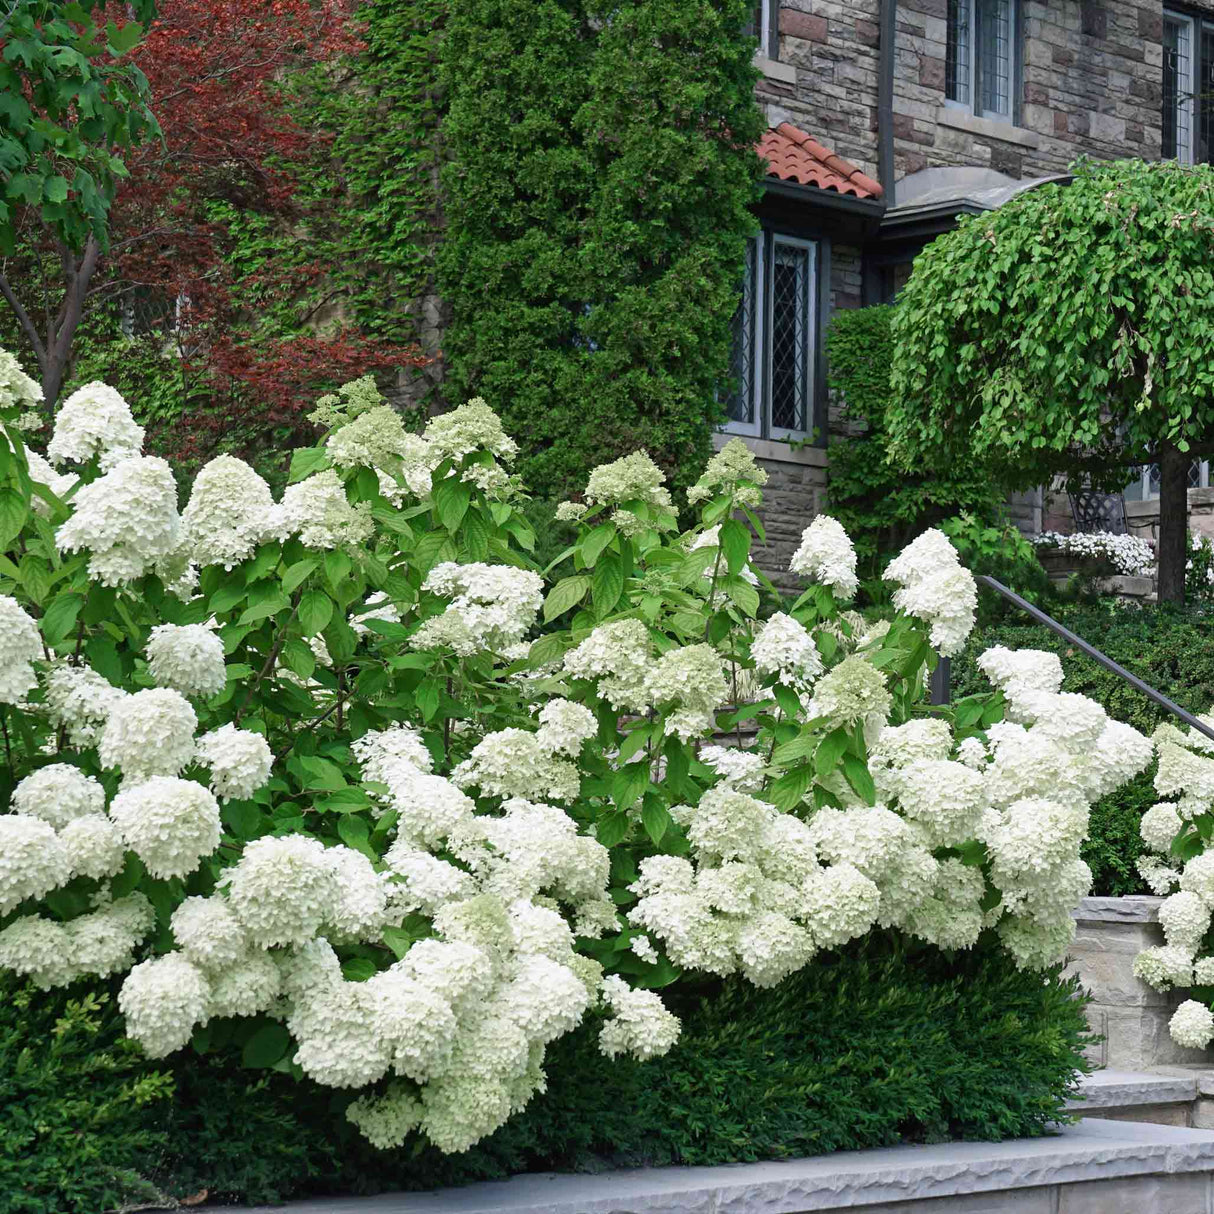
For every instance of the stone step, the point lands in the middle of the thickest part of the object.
(1167, 1099)
(1096, 1167)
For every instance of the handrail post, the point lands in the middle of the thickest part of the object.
(938, 686)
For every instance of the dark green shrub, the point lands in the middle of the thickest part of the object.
(81, 1111)
(601, 167)
(1167, 647)
(884, 507)
(885, 1042)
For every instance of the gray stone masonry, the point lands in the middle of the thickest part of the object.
(1095, 1167)
(1130, 1016)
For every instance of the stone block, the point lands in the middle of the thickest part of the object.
(1107, 128)
(803, 25)
(931, 72)
(1136, 1194)
(868, 33)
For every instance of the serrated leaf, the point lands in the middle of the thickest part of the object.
(860, 779)
(695, 565)
(594, 542)
(787, 792)
(451, 498)
(830, 751)
(608, 584)
(611, 828)
(801, 747)
(735, 545)
(655, 818)
(315, 611)
(13, 513)
(305, 461)
(744, 595)
(567, 593)
(60, 617)
(297, 574)
(628, 783)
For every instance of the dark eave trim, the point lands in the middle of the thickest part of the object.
(885, 100)
(870, 208)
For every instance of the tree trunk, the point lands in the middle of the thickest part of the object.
(1171, 550)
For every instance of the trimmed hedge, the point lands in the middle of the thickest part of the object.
(885, 1042)
(1166, 646)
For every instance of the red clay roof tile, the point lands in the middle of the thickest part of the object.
(792, 155)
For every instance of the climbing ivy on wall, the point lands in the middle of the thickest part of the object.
(599, 171)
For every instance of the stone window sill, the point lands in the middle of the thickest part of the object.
(764, 448)
(959, 120)
(773, 69)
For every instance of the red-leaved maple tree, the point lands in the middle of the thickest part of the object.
(215, 70)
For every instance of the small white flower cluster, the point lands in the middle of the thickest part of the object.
(492, 607)
(1127, 554)
(17, 390)
(826, 555)
(619, 655)
(784, 648)
(20, 647)
(95, 422)
(318, 511)
(733, 471)
(625, 483)
(43, 474)
(1186, 772)
(126, 520)
(935, 588)
(230, 512)
(187, 658)
(689, 683)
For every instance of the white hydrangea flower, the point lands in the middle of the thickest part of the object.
(1159, 826)
(1035, 943)
(784, 647)
(150, 733)
(359, 910)
(945, 797)
(853, 691)
(428, 881)
(639, 1024)
(564, 726)
(642, 947)
(39, 949)
(94, 846)
(732, 470)
(1203, 971)
(240, 761)
(459, 973)
(33, 860)
(127, 521)
(104, 942)
(1017, 671)
(632, 478)
(771, 946)
(248, 986)
(162, 1000)
(839, 904)
(936, 589)
(187, 658)
(231, 512)
(333, 1026)
(467, 428)
(282, 889)
(492, 607)
(170, 824)
(1185, 918)
(619, 655)
(418, 1024)
(378, 751)
(1165, 966)
(95, 421)
(512, 763)
(17, 389)
(692, 681)
(386, 1119)
(57, 794)
(826, 555)
(78, 701)
(740, 769)
(430, 808)
(317, 510)
(20, 647)
(1198, 876)
(1192, 1025)
(1160, 877)
(208, 934)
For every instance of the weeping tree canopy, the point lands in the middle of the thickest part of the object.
(1070, 331)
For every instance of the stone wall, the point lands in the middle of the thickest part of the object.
(1143, 517)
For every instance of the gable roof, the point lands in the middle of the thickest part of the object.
(792, 155)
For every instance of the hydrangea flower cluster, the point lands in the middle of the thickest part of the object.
(935, 588)
(492, 607)
(95, 423)
(1186, 772)
(826, 555)
(20, 648)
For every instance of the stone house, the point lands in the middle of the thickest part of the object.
(889, 118)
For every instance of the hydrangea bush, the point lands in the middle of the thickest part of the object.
(344, 781)
(1178, 867)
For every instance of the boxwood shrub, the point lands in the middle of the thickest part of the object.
(884, 1042)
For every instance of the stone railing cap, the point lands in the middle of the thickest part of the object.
(1133, 908)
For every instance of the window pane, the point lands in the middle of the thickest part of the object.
(1205, 97)
(1177, 85)
(741, 405)
(790, 337)
(957, 55)
(995, 56)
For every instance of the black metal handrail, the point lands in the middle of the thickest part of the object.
(939, 685)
